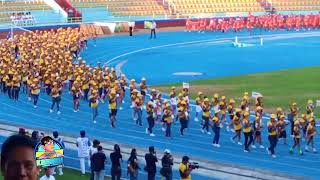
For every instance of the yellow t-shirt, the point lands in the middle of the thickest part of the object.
(183, 168)
(246, 126)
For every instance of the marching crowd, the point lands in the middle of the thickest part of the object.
(49, 61)
(267, 22)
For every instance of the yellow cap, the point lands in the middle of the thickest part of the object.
(223, 97)
(246, 93)
(282, 116)
(173, 87)
(294, 104)
(139, 95)
(279, 109)
(215, 118)
(273, 116)
(310, 101)
(153, 90)
(183, 102)
(303, 116)
(296, 123)
(232, 101)
(246, 114)
(206, 100)
(238, 110)
(200, 93)
(216, 95)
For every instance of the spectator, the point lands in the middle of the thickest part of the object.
(17, 158)
(184, 169)
(47, 175)
(83, 145)
(133, 165)
(35, 136)
(116, 159)
(153, 29)
(151, 160)
(97, 161)
(167, 163)
(93, 150)
(22, 131)
(60, 140)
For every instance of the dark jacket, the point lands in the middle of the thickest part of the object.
(151, 163)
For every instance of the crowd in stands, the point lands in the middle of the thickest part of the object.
(48, 61)
(22, 19)
(267, 22)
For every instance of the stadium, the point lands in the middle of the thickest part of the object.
(210, 89)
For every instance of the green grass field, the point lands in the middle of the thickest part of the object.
(279, 88)
(69, 174)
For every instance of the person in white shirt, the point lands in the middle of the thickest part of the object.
(83, 144)
(153, 29)
(47, 175)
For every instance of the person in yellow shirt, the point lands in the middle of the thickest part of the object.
(281, 128)
(56, 98)
(15, 86)
(279, 113)
(310, 107)
(183, 114)
(138, 108)
(292, 116)
(76, 94)
(216, 129)
(143, 88)
(112, 107)
(205, 116)
(257, 125)
(150, 118)
(272, 132)
(184, 169)
(167, 118)
(86, 87)
(247, 131)
(231, 111)
(199, 100)
(297, 137)
(215, 102)
(223, 110)
(35, 90)
(93, 103)
(303, 121)
(133, 97)
(237, 127)
(311, 132)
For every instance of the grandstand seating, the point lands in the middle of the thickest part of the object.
(125, 7)
(215, 6)
(295, 5)
(9, 7)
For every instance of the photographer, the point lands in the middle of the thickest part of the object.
(167, 163)
(185, 168)
(151, 160)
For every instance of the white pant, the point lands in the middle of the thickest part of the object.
(99, 175)
(82, 164)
